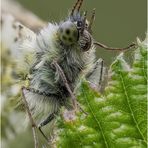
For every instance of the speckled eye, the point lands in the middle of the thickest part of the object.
(68, 33)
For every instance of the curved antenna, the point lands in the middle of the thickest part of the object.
(84, 21)
(85, 15)
(80, 4)
(92, 19)
(77, 6)
(112, 48)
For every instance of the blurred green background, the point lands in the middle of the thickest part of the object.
(117, 24)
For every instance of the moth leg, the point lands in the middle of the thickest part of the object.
(45, 122)
(63, 77)
(69, 108)
(96, 76)
(91, 21)
(81, 109)
(33, 124)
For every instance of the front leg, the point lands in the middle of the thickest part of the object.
(63, 77)
(96, 76)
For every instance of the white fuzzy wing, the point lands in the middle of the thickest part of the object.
(20, 41)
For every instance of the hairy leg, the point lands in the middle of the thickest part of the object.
(31, 118)
(63, 77)
(45, 122)
(96, 76)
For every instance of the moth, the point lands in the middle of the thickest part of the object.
(62, 54)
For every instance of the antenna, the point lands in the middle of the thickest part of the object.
(133, 45)
(92, 19)
(77, 6)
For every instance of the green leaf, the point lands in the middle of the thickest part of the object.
(116, 119)
(138, 91)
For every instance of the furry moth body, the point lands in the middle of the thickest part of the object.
(69, 43)
(47, 90)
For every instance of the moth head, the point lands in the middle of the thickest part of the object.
(76, 30)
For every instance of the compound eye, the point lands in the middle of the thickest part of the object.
(68, 33)
(79, 24)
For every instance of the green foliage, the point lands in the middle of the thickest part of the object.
(117, 118)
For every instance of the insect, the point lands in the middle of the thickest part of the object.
(62, 54)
